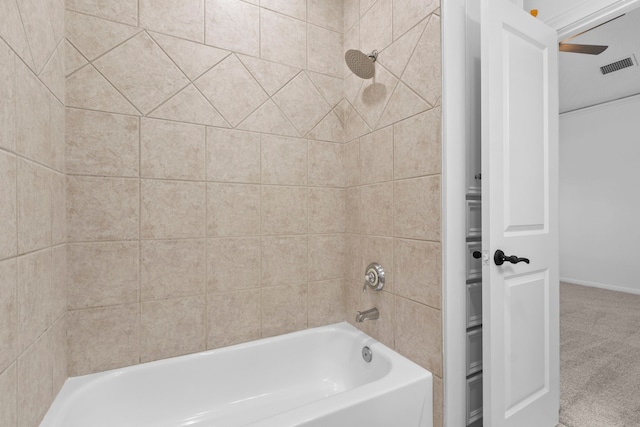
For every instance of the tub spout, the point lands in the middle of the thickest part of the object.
(370, 314)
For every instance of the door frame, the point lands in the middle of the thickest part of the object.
(454, 133)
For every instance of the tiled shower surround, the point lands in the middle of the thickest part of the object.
(227, 178)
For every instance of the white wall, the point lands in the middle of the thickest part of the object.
(599, 197)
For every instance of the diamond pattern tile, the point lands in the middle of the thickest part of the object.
(94, 36)
(189, 106)
(269, 119)
(423, 73)
(272, 76)
(301, 102)
(232, 90)
(374, 95)
(142, 72)
(192, 58)
(86, 88)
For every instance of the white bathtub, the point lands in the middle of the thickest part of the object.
(315, 377)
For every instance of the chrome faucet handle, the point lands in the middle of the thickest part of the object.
(374, 277)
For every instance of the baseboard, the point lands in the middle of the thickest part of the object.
(600, 285)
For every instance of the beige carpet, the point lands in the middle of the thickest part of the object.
(599, 357)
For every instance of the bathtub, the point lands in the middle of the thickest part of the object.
(317, 377)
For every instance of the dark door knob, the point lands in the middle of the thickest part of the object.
(477, 254)
(499, 258)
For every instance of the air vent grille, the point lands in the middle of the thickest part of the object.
(616, 66)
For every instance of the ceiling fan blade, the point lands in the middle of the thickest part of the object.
(590, 49)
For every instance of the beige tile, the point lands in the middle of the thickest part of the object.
(53, 74)
(172, 327)
(375, 27)
(418, 334)
(301, 102)
(407, 13)
(233, 156)
(101, 143)
(294, 8)
(272, 76)
(172, 209)
(352, 221)
(233, 264)
(327, 210)
(284, 309)
(233, 25)
(423, 73)
(35, 305)
(32, 116)
(93, 36)
(284, 260)
(192, 58)
(438, 402)
(37, 24)
(8, 402)
(12, 30)
(233, 317)
(283, 39)
(417, 208)
(330, 128)
(190, 106)
(326, 257)
(352, 163)
(374, 96)
(418, 271)
(284, 160)
(8, 205)
(59, 352)
(220, 86)
(8, 313)
(102, 208)
(86, 88)
(34, 206)
(115, 346)
(376, 209)
(125, 11)
(354, 124)
(284, 210)
(380, 250)
(233, 209)
(376, 156)
(383, 328)
(7, 97)
(269, 119)
(326, 303)
(331, 88)
(353, 259)
(396, 56)
(34, 383)
(102, 273)
(326, 164)
(326, 13)
(140, 64)
(172, 150)
(404, 102)
(184, 18)
(172, 268)
(58, 296)
(351, 293)
(351, 13)
(324, 51)
(57, 134)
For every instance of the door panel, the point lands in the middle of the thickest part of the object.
(519, 216)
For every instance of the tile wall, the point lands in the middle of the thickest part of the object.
(33, 353)
(205, 174)
(227, 178)
(393, 166)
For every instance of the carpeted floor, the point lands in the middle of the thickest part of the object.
(599, 357)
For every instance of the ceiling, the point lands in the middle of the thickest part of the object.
(581, 82)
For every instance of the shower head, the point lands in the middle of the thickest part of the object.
(360, 63)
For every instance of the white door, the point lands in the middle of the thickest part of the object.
(519, 216)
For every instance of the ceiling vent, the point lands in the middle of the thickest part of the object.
(618, 65)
